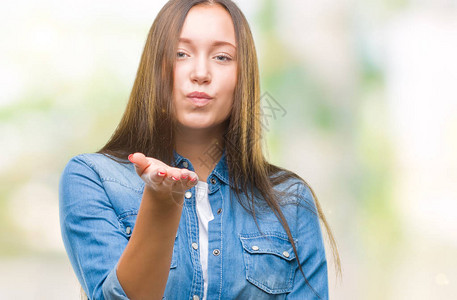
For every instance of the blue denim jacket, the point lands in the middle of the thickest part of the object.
(99, 201)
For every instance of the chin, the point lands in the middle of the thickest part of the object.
(197, 122)
(198, 126)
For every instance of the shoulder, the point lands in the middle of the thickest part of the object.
(301, 207)
(298, 204)
(96, 161)
(306, 197)
(293, 189)
(101, 167)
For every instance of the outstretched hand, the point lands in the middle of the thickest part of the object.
(163, 180)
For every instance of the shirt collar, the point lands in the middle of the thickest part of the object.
(220, 170)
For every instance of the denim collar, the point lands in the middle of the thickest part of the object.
(220, 170)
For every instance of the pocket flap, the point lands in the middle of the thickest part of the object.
(277, 244)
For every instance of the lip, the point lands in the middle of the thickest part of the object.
(199, 98)
(201, 95)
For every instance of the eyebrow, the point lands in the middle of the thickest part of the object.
(215, 43)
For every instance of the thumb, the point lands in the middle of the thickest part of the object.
(140, 161)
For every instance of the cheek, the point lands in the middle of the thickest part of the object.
(232, 78)
(228, 81)
(180, 74)
(176, 78)
(227, 104)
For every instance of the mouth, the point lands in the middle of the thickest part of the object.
(199, 99)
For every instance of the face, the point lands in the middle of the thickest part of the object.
(205, 68)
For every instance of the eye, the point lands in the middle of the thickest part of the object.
(180, 54)
(224, 58)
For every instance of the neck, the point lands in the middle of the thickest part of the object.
(203, 147)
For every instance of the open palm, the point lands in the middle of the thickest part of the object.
(163, 180)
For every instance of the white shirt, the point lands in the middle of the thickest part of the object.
(204, 214)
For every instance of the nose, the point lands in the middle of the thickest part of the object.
(200, 73)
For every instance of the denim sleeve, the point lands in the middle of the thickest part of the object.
(311, 251)
(90, 231)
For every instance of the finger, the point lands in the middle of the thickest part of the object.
(140, 161)
(180, 178)
(193, 177)
(174, 174)
(192, 180)
(157, 176)
(182, 175)
(185, 174)
(170, 178)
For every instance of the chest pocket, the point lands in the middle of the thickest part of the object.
(127, 223)
(269, 261)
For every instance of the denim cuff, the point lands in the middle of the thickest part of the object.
(112, 289)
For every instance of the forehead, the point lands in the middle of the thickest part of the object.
(206, 23)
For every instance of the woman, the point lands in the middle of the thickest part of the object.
(181, 203)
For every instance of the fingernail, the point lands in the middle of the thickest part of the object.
(174, 178)
(184, 176)
(161, 173)
(193, 179)
(130, 157)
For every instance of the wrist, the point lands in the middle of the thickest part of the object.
(162, 200)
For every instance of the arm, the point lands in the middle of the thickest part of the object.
(90, 230)
(311, 251)
(144, 266)
(106, 265)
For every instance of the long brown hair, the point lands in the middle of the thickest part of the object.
(147, 123)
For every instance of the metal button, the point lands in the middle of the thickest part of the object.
(128, 230)
(195, 246)
(216, 252)
(187, 195)
(219, 211)
(195, 297)
(185, 164)
(213, 180)
(286, 254)
(255, 248)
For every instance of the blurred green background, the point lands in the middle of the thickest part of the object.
(370, 98)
